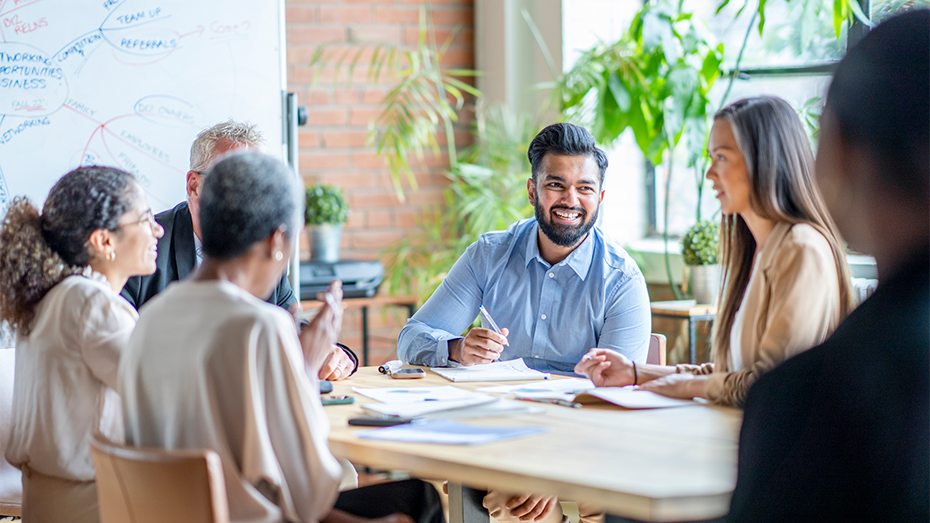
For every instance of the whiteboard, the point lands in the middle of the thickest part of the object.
(129, 84)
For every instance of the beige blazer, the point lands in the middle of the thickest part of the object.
(792, 304)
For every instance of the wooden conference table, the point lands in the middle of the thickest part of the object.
(653, 465)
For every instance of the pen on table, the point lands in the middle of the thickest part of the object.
(551, 401)
(493, 324)
(390, 366)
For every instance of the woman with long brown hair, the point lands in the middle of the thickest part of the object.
(61, 272)
(786, 281)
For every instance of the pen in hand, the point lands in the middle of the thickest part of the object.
(491, 323)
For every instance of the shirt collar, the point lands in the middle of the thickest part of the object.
(198, 250)
(579, 259)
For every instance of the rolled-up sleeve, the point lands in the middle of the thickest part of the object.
(425, 338)
(628, 322)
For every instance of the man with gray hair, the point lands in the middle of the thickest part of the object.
(180, 249)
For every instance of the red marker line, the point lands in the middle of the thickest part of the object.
(4, 13)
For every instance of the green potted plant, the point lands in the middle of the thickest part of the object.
(700, 248)
(324, 214)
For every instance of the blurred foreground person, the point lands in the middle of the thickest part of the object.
(842, 431)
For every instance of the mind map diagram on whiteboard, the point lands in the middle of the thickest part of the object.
(129, 83)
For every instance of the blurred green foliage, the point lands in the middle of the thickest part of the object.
(487, 192)
(654, 80)
(424, 97)
(700, 245)
(325, 204)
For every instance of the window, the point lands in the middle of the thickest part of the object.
(792, 59)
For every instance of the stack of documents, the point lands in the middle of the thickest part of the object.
(409, 402)
(449, 432)
(439, 402)
(511, 370)
(575, 390)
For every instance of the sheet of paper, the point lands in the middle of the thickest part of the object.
(449, 432)
(501, 407)
(510, 370)
(413, 410)
(549, 389)
(397, 395)
(631, 398)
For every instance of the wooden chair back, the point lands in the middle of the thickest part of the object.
(143, 485)
(656, 355)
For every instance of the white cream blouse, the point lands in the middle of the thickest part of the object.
(211, 366)
(65, 377)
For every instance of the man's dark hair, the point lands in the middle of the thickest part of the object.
(246, 196)
(890, 68)
(569, 139)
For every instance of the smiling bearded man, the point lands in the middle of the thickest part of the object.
(554, 284)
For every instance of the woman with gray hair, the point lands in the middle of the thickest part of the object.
(786, 281)
(211, 365)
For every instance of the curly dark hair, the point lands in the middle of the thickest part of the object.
(41, 250)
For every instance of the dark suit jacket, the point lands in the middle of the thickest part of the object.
(842, 432)
(176, 259)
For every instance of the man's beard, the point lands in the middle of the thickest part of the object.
(564, 235)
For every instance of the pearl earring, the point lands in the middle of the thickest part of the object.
(279, 255)
(111, 256)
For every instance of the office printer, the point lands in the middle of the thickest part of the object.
(360, 278)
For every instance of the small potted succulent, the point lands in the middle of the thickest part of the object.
(700, 249)
(324, 214)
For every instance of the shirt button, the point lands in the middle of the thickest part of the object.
(543, 316)
(551, 275)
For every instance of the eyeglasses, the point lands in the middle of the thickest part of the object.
(147, 218)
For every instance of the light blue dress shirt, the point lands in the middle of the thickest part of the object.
(596, 297)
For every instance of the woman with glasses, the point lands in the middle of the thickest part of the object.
(786, 281)
(61, 272)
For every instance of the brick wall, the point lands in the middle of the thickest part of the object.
(333, 143)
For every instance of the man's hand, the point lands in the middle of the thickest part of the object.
(319, 338)
(478, 346)
(606, 368)
(338, 367)
(683, 386)
(531, 507)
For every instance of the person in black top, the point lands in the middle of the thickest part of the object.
(179, 249)
(842, 432)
